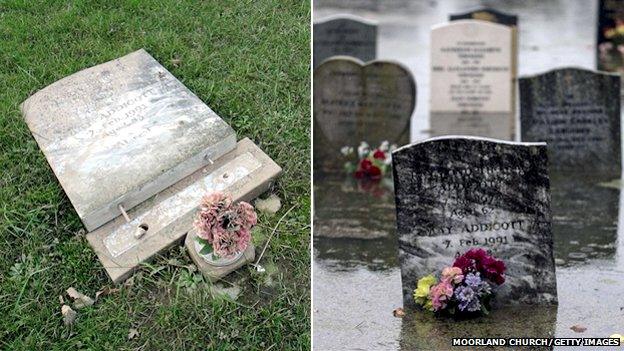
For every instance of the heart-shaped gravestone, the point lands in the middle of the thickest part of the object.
(356, 102)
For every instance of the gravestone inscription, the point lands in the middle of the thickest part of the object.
(356, 102)
(457, 193)
(577, 112)
(472, 79)
(344, 35)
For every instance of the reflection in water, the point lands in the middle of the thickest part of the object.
(347, 208)
(424, 331)
(585, 217)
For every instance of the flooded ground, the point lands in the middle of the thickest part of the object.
(357, 281)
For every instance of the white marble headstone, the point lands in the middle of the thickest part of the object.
(120, 132)
(472, 79)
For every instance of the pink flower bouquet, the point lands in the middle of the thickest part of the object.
(224, 228)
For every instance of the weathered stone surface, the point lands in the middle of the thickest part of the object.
(487, 14)
(577, 112)
(122, 131)
(472, 76)
(245, 173)
(457, 193)
(344, 35)
(356, 102)
(211, 272)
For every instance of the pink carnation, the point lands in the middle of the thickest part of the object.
(440, 294)
(225, 225)
(452, 275)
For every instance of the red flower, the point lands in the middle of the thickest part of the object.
(464, 263)
(494, 270)
(374, 173)
(368, 169)
(379, 155)
(478, 260)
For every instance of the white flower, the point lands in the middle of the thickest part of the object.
(385, 146)
(388, 159)
(363, 150)
(393, 147)
(346, 150)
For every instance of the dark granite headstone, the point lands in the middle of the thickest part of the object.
(356, 102)
(487, 14)
(610, 38)
(344, 35)
(577, 112)
(457, 193)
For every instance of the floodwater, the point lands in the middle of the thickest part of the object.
(357, 280)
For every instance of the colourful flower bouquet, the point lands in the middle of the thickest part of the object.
(466, 288)
(224, 228)
(372, 164)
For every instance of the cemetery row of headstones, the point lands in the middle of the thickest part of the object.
(454, 193)
(473, 89)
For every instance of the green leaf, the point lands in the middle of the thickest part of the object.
(206, 249)
(202, 241)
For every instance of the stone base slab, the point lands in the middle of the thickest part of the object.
(245, 173)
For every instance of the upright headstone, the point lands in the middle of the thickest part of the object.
(356, 102)
(577, 112)
(457, 193)
(495, 16)
(610, 38)
(472, 80)
(344, 35)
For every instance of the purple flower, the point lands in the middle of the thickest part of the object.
(473, 280)
(479, 286)
(468, 299)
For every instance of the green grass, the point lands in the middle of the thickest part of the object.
(249, 61)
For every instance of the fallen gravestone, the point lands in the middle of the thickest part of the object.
(577, 112)
(472, 75)
(356, 102)
(457, 193)
(344, 35)
(135, 151)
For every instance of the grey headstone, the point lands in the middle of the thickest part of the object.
(356, 102)
(457, 193)
(577, 112)
(120, 132)
(472, 76)
(344, 35)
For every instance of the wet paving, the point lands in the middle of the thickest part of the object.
(357, 280)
